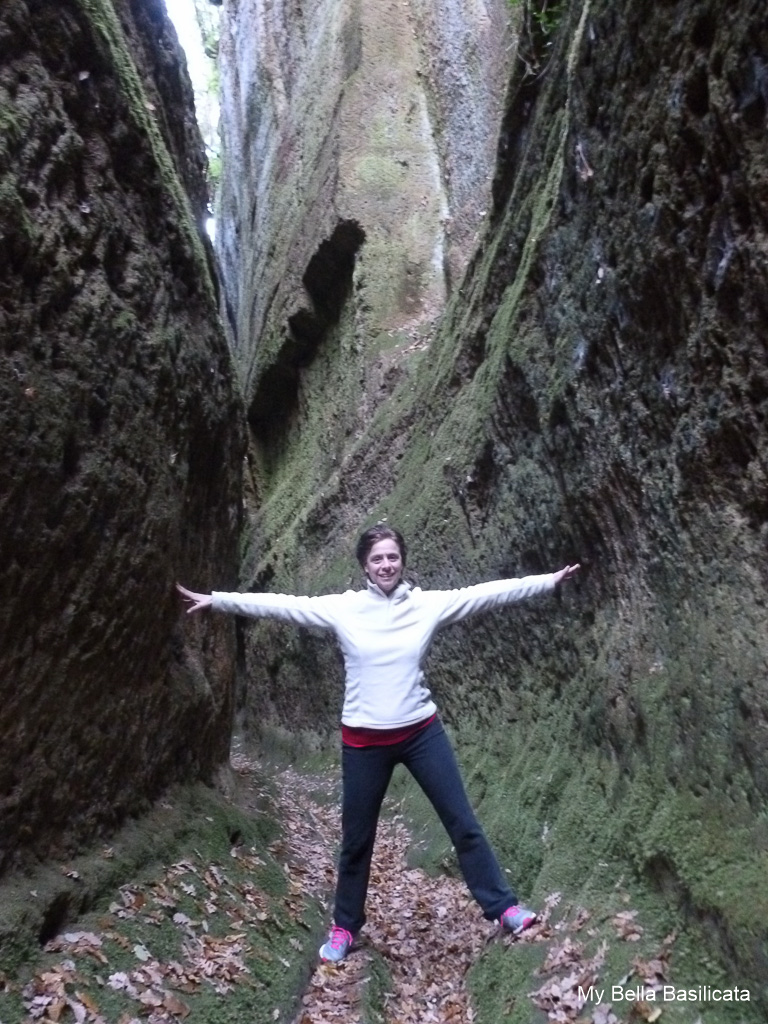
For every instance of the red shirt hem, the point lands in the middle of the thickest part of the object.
(356, 737)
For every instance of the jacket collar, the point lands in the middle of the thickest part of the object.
(400, 593)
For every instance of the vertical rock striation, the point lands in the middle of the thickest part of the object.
(467, 50)
(121, 443)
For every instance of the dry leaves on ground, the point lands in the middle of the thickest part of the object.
(428, 932)
(566, 993)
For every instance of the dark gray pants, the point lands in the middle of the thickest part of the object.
(366, 772)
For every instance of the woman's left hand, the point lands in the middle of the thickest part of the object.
(566, 573)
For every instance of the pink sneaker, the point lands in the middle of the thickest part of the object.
(338, 945)
(517, 919)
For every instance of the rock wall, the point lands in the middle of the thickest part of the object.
(467, 51)
(121, 441)
(337, 110)
(347, 207)
(597, 391)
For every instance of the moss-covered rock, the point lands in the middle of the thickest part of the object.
(199, 893)
(121, 444)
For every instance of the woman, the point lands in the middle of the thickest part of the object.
(389, 716)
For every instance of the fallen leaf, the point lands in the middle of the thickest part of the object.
(175, 1006)
(150, 998)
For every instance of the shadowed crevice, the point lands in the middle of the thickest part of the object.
(327, 282)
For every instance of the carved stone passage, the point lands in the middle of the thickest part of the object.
(597, 391)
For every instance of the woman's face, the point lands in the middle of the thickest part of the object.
(384, 565)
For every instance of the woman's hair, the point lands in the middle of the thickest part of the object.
(375, 534)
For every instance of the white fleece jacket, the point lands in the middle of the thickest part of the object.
(385, 639)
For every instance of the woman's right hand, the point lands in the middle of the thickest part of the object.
(566, 573)
(195, 601)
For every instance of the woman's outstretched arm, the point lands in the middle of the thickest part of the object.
(324, 612)
(454, 605)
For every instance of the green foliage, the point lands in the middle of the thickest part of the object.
(538, 22)
(208, 88)
(549, 16)
(214, 170)
(207, 17)
(545, 15)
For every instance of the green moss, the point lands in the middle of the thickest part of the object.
(16, 221)
(192, 815)
(500, 984)
(188, 835)
(572, 837)
(389, 255)
(125, 327)
(381, 175)
(377, 984)
(569, 810)
(13, 127)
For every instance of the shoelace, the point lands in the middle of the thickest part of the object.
(339, 936)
